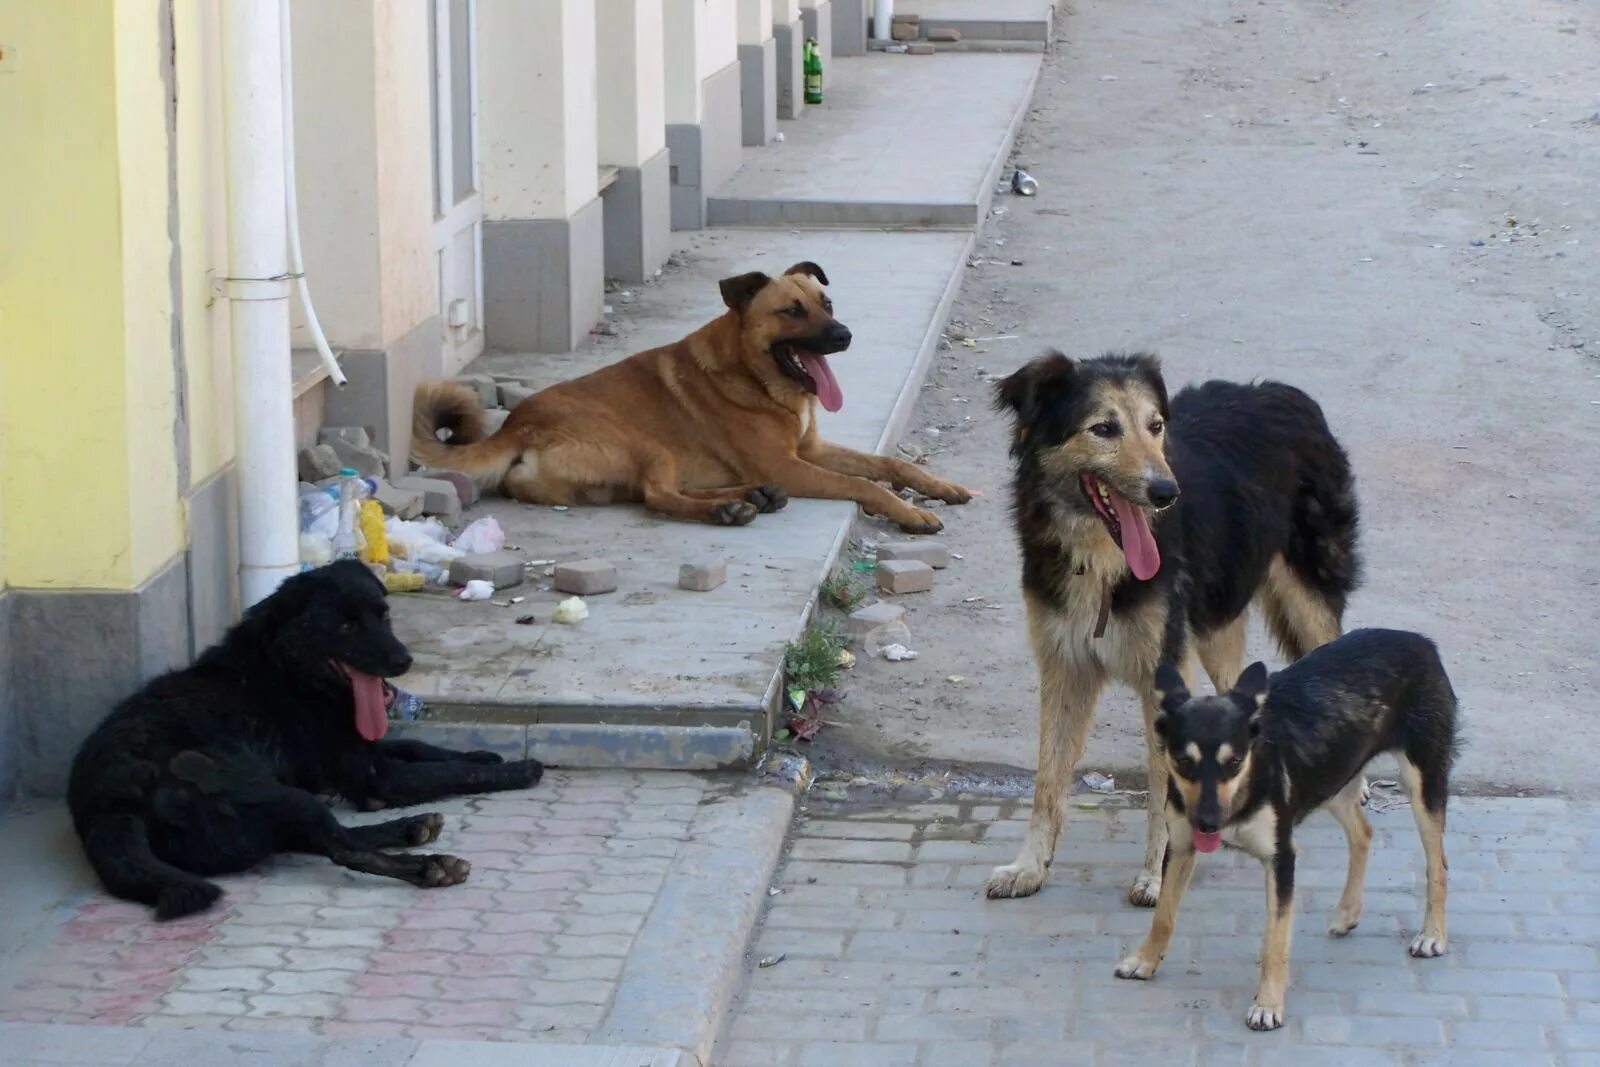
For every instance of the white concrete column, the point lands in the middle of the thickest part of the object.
(703, 102)
(538, 122)
(788, 38)
(363, 148)
(632, 137)
(758, 72)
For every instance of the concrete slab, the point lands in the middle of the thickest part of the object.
(901, 140)
(986, 20)
(476, 664)
(603, 925)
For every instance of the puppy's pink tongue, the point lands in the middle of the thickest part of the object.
(1138, 543)
(828, 390)
(1206, 842)
(372, 716)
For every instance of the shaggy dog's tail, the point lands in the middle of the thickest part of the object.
(118, 847)
(445, 405)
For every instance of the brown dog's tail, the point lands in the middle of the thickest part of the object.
(445, 405)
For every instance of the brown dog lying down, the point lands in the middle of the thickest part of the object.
(716, 427)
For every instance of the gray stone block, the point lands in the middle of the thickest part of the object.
(585, 576)
(865, 620)
(466, 488)
(354, 435)
(704, 575)
(933, 553)
(363, 459)
(512, 394)
(485, 386)
(318, 462)
(904, 576)
(500, 569)
(401, 503)
(438, 497)
(944, 33)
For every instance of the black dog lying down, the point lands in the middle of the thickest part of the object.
(211, 769)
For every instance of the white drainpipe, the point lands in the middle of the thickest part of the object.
(258, 294)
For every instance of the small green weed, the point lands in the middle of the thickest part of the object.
(812, 662)
(841, 591)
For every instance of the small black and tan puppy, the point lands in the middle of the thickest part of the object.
(1250, 764)
(211, 769)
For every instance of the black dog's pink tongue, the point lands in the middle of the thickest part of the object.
(372, 713)
(1138, 543)
(828, 390)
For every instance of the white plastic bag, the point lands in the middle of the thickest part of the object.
(477, 589)
(480, 536)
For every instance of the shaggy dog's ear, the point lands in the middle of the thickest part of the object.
(737, 292)
(1030, 390)
(1147, 366)
(805, 266)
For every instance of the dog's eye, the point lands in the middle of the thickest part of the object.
(1184, 766)
(348, 627)
(795, 312)
(1104, 429)
(827, 305)
(1156, 428)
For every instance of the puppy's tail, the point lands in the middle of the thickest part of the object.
(445, 405)
(118, 847)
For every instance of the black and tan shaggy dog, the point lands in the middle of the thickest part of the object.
(211, 769)
(1147, 529)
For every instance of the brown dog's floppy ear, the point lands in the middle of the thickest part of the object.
(737, 292)
(805, 266)
(1023, 391)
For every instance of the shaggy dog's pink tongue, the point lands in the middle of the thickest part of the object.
(1138, 543)
(1206, 842)
(828, 390)
(372, 714)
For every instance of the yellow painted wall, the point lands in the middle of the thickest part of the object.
(88, 468)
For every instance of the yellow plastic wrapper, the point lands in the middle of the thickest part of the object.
(403, 583)
(376, 549)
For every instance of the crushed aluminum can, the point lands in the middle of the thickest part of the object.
(1024, 184)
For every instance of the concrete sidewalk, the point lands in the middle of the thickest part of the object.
(890, 955)
(606, 914)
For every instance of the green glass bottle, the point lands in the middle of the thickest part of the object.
(813, 70)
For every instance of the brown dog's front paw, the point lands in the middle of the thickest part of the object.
(734, 513)
(920, 521)
(951, 493)
(768, 498)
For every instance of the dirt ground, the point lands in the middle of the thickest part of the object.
(1395, 206)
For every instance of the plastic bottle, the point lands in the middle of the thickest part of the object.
(344, 537)
(407, 707)
(813, 71)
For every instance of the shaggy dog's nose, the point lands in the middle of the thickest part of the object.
(1162, 492)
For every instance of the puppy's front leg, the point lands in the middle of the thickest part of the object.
(1267, 1011)
(1176, 868)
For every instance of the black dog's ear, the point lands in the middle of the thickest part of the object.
(805, 266)
(1251, 688)
(1171, 693)
(1148, 367)
(737, 292)
(1026, 391)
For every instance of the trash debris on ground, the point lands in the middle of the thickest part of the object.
(397, 582)
(773, 961)
(571, 611)
(480, 536)
(477, 589)
(526, 620)
(955, 679)
(847, 659)
(891, 633)
(897, 652)
(404, 706)
(1099, 783)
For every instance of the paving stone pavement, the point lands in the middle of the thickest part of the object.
(550, 940)
(892, 956)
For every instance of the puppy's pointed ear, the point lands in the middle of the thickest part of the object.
(1251, 688)
(1030, 389)
(1171, 693)
(805, 266)
(737, 292)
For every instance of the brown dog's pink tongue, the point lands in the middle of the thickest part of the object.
(1138, 543)
(828, 390)
(1207, 842)
(372, 716)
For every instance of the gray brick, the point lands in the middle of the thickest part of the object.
(1469, 1058)
(834, 918)
(856, 1054)
(1372, 1030)
(862, 874)
(1497, 1035)
(794, 1027)
(859, 830)
(1495, 982)
(1579, 1036)
(856, 851)
(1434, 1005)
(955, 1054)
(800, 944)
(756, 1053)
(1530, 956)
(934, 1027)
(1564, 928)
(876, 945)
(1520, 1009)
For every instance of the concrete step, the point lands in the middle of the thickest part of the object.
(985, 20)
(899, 141)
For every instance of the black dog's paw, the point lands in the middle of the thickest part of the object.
(735, 513)
(422, 829)
(185, 898)
(483, 757)
(768, 498)
(525, 773)
(438, 871)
